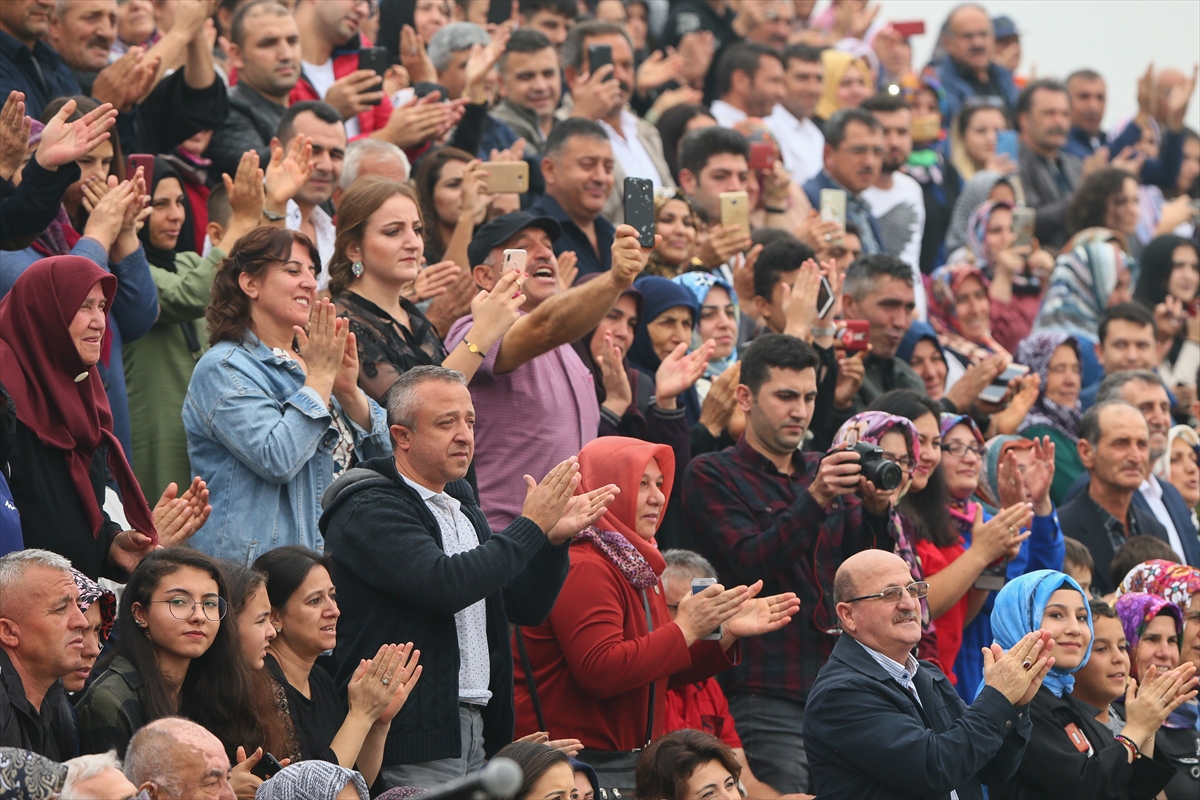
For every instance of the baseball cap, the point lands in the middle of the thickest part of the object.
(1004, 27)
(502, 228)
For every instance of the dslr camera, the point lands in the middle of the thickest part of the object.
(884, 474)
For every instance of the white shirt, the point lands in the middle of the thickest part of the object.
(901, 214)
(474, 658)
(629, 151)
(1152, 491)
(800, 141)
(726, 115)
(321, 77)
(326, 235)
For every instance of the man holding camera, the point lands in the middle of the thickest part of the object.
(764, 510)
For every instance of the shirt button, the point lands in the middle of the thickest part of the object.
(834, 504)
(1008, 723)
(656, 588)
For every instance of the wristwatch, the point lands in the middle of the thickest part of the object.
(832, 331)
(273, 216)
(474, 348)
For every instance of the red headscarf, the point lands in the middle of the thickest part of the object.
(622, 461)
(38, 366)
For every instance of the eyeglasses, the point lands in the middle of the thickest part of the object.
(892, 594)
(960, 449)
(1063, 369)
(183, 607)
(906, 463)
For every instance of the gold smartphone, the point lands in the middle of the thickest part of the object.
(735, 210)
(507, 177)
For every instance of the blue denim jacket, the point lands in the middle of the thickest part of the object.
(264, 443)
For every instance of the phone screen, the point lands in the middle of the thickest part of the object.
(1006, 144)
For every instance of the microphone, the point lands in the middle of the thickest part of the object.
(501, 778)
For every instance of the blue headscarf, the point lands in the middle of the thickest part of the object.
(918, 330)
(1018, 610)
(701, 283)
(658, 295)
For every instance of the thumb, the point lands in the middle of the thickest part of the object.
(241, 754)
(978, 514)
(530, 485)
(1130, 691)
(989, 659)
(861, 355)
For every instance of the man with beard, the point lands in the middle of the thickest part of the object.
(896, 200)
(799, 138)
(602, 96)
(1049, 174)
(749, 83)
(853, 160)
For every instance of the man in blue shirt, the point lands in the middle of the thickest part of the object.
(853, 161)
(968, 68)
(28, 64)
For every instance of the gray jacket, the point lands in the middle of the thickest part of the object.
(524, 122)
(253, 120)
(1042, 192)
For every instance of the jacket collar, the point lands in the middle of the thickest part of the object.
(15, 688)
(758, 461)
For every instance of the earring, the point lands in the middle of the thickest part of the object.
(357, 269)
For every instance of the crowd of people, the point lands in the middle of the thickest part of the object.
(683, 400)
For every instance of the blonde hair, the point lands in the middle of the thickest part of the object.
(354, 209)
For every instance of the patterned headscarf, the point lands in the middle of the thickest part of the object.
(973, 194)
(90, 592)
(1136, 609)
(1174, 582)
(28, 776)
(1084, 277)
(311, 780)
(1035, 352)
(976, 236)
(962, 510)
(655, 264)
(701, 283)
(989, 480)
(1018, 610)
(943, 312)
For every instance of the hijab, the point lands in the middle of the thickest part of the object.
(583, 345)
(1157, 264)
(56, 396)
(943, 312)
(59, 236)
(962, 511)
(974, 193)
(700, 284)
(1035, 352)
(976, 235)
(311, 780)
(1162, 467)
(1018, 610)
(836, 62)
(658, 295)
(29, 776)
(165, 259)
(1136, 609)
(622, 461)
(1084, 277)
(89, 593)
(654, 263)
(918, 330)
(1173, 582)
(989, 479)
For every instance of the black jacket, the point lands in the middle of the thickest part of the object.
(397, 585)
(1081, 519)
(28, 209)
(866, 736)
(50, 733)
(1053, 768)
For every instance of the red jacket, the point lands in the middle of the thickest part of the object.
(345, 61)
(594, 661)
(702, 707)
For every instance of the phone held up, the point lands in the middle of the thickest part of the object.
(598, 56)
(146, 162)
(507, 177)
(376, 59)
(698, 586)
(735, 210)
(639, 208)
(513, 259)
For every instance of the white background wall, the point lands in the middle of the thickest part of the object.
(1117, 38)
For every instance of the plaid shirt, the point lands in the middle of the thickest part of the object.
(753, 522)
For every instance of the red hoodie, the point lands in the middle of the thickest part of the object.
(345, 61)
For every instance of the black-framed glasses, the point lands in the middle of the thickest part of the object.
(892, 594)
(182, 608)
(906, 463)
(960, 449)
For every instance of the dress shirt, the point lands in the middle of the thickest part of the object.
(591, 259)
(629, 150)
(326, 236)
(800, 141)
(903, 673)
(725, 114)
(1152, 491)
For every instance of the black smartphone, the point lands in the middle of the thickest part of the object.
(639, 208)
(598, 56)
(267, 767)
(374, 58)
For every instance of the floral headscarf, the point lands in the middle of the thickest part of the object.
(1085, 275)
(701, 283)
(1174, 582)
(1035, 352)
(943, 312)
(1018, 610)
(29, 776)
(1136, 609)
(89, 593)
(654, 264)
(973, 194)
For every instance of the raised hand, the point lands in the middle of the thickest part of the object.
(660, 68)
(697, 50)
(406, 671)
(1002, 534)
(679, 372)
(583, 510)
(128, 548)
(618, 393)
(596, 94)
(514, 153)
(480, 63)
(1007, 672)
(1039, 476)
(852, 371)
(965, 391)
(15, 128)
(177, 518)
(759, 615)
(370, 691)
(105, 222)
(414, 58)
(417, 121)
(1148, 706)
(722, 244)
(355, 93)
(546, 502)
(433, 281)
(287, 173)
(1024, 392)
(1178, 99)
(127, 80)
(568, 269)
(721, 401)
(64, 142)
(700, 614)
(323, 346)
(628, 255)
(799, 301)
(494, 312)
(569, 746)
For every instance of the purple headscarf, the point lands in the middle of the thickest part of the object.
(1035, 352)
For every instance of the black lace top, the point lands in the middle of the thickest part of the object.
(387, 349)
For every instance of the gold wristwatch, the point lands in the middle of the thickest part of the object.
(474, 348)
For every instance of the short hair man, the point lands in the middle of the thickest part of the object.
(777, 264)
(175, 759)
(557, 413)
(711, 161)
(765, 509)
(83, 32)
(853, 159)
(96, 777)
(636, 144)
(1049, 174)
(551, 18)
(41, 639)
(371, 158)
(1114, 446)
(800, 140)
(441, 577)
(969, 68)
(749, 83)
(264, 48)
(1127, 334)
(897, 200)
(879, 723)
(530, 87)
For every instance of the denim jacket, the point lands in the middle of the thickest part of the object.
(264, 443)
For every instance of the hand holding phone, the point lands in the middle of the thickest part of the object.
(853, 337)
(698, 586)
(1006, 145)
(146, 162)
(375, 59)
(267, 767)
(598, 56)
(639, 208)
(513, 259)
(833, 206)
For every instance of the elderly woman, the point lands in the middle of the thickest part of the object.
(610, 647)
(1057, 411)
(1180, 584)
(99, 607)
(960, 310)
(314, 780)
(274, 410)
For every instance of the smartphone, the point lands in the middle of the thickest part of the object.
(146, 162)
(513, 259)
(639, 208)
(1006, 144)
(598, 56)
(833, 206)
(995, 391)
(762, 156)
(907, 29)
(735, 210)
(698, 586)
(824, 298)
(374, 58)
(267, 767)
(854, 335)
(1023, 222)
(926, 128)
(508, 177)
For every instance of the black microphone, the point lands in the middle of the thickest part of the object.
(501, 778)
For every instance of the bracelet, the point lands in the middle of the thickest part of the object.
(1133, 748)
(824, 331)
(474, 348)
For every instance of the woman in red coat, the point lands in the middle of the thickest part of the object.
(596, 660)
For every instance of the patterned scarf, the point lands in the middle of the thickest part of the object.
(943, 313)
(984, 258)
(961, 510)
(701, 283)
(623, 555)
(1035, 352)
(89, 593)
(311, 780)
(1086, 273)
(28, 776)
(1174, 582)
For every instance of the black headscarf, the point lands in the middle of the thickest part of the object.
(1157, 265)
(186, 243)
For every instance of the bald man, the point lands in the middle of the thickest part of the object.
(881, 724)
(175, 759)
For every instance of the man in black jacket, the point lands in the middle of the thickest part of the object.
(415, 561)
(879, 724)
(41, 635)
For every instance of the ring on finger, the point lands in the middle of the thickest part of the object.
(1027, 664)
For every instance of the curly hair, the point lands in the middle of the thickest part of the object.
(228, 314)
(666, 765)
(1089, 206)
(358, 204)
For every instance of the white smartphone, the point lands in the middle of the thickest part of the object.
(824, 298)
(698, 586)
(513, 259)
(996, 390)
(833, 206)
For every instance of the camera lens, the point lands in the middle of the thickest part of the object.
(884, 474)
